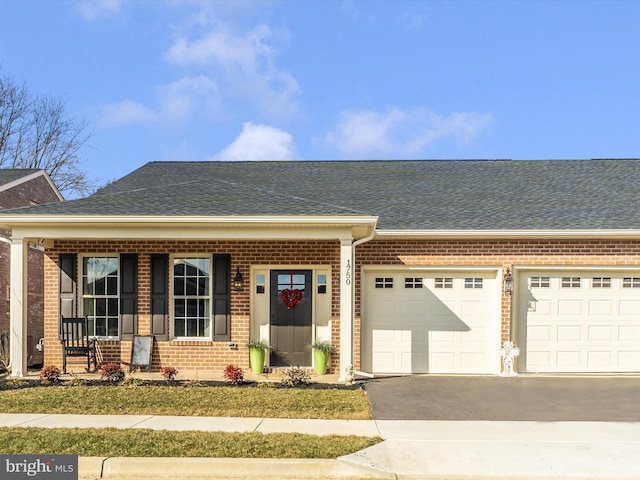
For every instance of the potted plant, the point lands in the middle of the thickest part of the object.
(257, 350)
(321, 354)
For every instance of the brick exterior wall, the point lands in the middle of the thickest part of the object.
(214, 356)
(188, 355)
(35, 191)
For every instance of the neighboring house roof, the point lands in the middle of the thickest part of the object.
(405, 195)
(11, 177)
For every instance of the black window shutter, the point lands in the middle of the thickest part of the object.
(222, 297)
(128, 295)
(67, 287)
(160, 296)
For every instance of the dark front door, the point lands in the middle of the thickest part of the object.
(290, 317)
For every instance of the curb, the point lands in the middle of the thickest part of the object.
(134, 468)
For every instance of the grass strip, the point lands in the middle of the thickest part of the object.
(112, 442)
(217, 401)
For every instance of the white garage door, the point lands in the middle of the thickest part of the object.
(440, 322)
(580, 321)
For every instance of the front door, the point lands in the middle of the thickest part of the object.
(291, 317)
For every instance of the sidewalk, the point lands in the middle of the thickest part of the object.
(411, 450)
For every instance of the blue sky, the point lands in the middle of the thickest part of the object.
(332, 79)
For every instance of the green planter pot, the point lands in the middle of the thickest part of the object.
(256, 357)
(320, 361)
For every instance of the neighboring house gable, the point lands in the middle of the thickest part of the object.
(24, 188)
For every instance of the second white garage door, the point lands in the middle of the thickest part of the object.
(435, 322)
(579, 321)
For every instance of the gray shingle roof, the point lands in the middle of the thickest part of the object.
(419, 194)
(8, 175)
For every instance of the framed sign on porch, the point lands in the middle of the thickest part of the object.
(141, 352)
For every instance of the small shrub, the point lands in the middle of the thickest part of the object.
(169, 373)
(50, 374)
(295, 376)
(133, 381)
(76, 381)
(112, 372)
(234, 374)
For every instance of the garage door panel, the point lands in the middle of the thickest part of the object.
(539, 360)
(630, 307)
(601, 333)
(569, 307)
(569, 333)
(568, 360)
(599, 360)
(413, 309)
(442, 362)
(449, 326)
(629, 333)
(539, 333)
(600, 307)
(629, 359)
(591, 328)
(385, 308)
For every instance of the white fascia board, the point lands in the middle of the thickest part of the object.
(188, 228)
(507, 234)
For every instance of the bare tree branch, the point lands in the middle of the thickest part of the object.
(36, 132)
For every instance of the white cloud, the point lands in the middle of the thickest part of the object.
(92, 9)
(398, 133)
(176, 101)
(259, 142)
(247, 63)
(124, 113)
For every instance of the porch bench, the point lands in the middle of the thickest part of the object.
(76, 342)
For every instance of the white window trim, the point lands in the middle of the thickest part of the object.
(172, 297)
(81, 294)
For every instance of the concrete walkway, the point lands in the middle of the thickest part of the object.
(410, 450)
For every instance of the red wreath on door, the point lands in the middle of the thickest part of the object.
(291, 296)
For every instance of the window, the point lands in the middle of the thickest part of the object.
(100, 295)
(631, 282)
(540, 282)
(601, 282)
(411, 282)
(570, 282)
(260, 283)
(443, 282)
(475, 282)
(384, 282)
(322, 283)
(191, 297)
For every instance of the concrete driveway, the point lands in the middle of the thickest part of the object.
(521, 398)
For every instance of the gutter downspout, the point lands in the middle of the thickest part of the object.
(354, 372)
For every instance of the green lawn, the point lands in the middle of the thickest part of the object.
(111, 442)
(159, 399)
(216, 401)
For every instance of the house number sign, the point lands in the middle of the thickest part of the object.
(347, 273)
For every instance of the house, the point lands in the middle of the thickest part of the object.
(20, 187)
(400, 264)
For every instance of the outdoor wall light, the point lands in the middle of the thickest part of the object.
(238, 281)
(508, 282)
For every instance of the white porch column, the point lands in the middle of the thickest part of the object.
(346, 307)
(18, 310)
